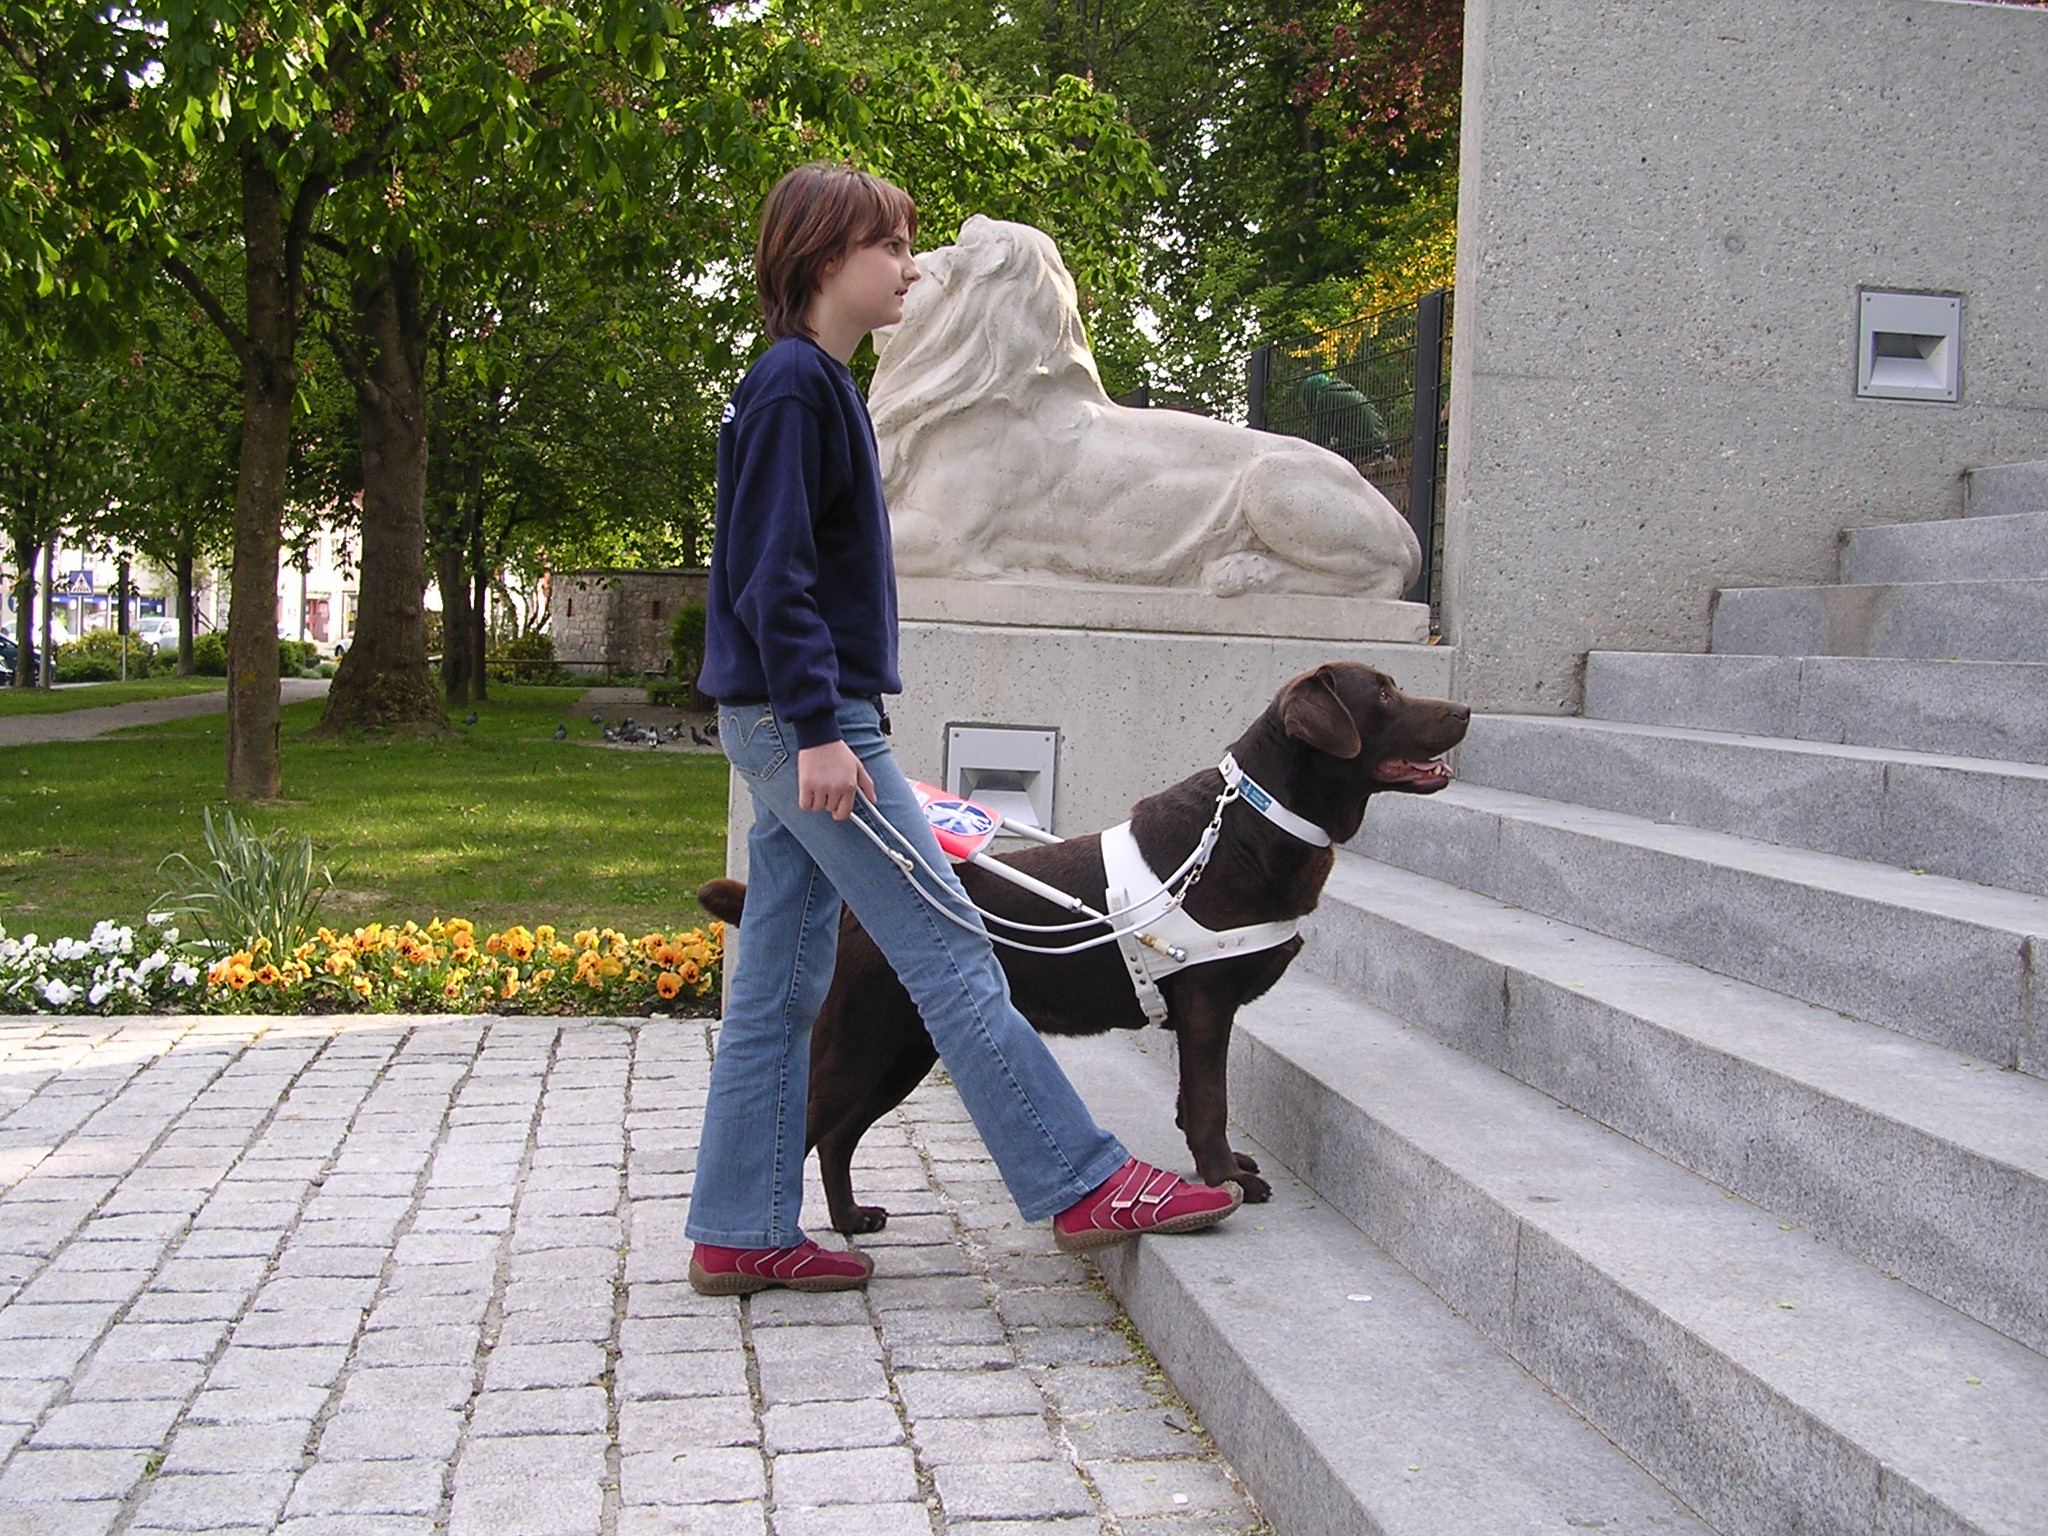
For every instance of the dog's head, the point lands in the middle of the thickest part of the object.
(1357, 734)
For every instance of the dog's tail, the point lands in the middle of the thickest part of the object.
(723, 899)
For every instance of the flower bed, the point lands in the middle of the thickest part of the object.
(440, 968)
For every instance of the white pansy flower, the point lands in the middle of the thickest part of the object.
(59, 995)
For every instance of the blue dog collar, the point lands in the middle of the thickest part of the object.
(1252, 794)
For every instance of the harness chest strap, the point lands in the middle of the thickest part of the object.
(1137, 896)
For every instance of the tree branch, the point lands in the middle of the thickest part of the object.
(194, 284)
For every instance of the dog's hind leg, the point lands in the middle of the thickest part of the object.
(850, 1121)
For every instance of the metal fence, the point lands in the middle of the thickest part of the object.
(1354, 389)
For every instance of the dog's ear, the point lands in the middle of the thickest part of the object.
(1311, 712)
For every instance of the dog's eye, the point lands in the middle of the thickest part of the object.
(1386, 696)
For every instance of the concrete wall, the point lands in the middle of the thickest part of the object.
(1666, 208)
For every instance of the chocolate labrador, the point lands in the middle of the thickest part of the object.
(1330, 740)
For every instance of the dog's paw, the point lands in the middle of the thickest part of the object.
(862, 1218)
(1244, 1164)
(1256, 1190)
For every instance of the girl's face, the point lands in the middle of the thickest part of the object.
(866, 286)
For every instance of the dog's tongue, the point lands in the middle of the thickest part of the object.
(1404, 771)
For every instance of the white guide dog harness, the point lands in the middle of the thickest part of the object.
(1159, 938)
(1145, 916)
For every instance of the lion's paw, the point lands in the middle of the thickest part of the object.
(1245, 571)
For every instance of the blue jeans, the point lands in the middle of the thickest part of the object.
(748, 1190)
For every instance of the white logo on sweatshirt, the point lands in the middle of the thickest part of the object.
(726, 419)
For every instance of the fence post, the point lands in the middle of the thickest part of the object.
(1422, 487)
(1258, 369)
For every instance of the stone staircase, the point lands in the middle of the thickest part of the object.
(1673, 1087)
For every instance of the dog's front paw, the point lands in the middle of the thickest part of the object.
(1256, 1190)
(861, 1218)
(1244, 1164)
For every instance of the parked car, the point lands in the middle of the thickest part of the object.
(157, 631)
(7, 652)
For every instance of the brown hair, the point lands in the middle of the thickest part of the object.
(815, 214)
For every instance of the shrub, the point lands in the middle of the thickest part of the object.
(295, 657)
(686, 659)
(97, 658)
(253, 889)
(210, 654)
(535, 655)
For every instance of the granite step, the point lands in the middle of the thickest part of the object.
(1998, 490)
(1969, 818)
(1946, 961)
(1948, 549)
(1364, 1403)
(1929, 1165)
(1773, 1383)
(1929, 620)
(1969, 708)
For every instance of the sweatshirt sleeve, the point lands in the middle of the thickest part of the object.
(772, 563)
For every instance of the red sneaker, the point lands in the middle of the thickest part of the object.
(1140, 1198)
(716, 1271)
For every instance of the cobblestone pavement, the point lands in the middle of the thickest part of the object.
(377, 1277)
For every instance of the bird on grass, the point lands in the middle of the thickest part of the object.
(561, 733)
(470, 718)
(701, 739)
(597, 719)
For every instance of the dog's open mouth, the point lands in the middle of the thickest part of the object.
(1430, 773)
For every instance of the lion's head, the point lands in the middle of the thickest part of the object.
(994, 320)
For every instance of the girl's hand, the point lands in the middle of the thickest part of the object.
(828, 777)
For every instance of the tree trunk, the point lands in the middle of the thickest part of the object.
(24, 611)
(453, 581)
(384, 680)
(269, 382)
(181, 570)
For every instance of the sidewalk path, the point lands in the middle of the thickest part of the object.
(84, 724)
(379, 1277)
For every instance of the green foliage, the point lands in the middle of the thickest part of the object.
(210, 654)
(251, 891)
(525, 659)
(297, 657)
(686, 641)
(97, 657)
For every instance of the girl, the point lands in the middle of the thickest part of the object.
(800, 647)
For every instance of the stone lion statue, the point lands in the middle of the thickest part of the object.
(1002, 456)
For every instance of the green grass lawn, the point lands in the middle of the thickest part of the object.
(497, 822)
(58, 701)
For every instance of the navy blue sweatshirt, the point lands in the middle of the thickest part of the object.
(802, 607)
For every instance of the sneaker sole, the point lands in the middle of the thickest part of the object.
(733, 1283)
(1109, 1237)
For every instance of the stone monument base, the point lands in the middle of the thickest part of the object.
(1134, 711)
(1167, 610)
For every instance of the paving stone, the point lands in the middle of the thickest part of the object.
(314, 1294)
(357, 1525)
(417, 1346)
(535, 1508)
(408, 1387)
(937, 1394)
(543, 1365)
(463, 1310)
(316, 1365)
(61, 1519)
(1015, 1437)
(673, 1424)
(547, 1458)
(204, 1502)
(892, 1293)
(831, 1426)
(775, 1309)
(369, 1488)
(108, 1426)
(906, 1519)
(801, 1365)
(36, 1477)
(1128, 1434)
(256, 1405)
(943, 1325)
(279, 1446)
(1082, 1390)
(745, 1519)
(693, 1475)
(301, 1325)
(1133, 1489)
(1068, 1307)
(1081, 1526)
(540, 1411)
(585, 1325)
(877, 1475)
(126, 1380)
(1060, 1346)
(706, 1373)
(380, 1435)
(1030, 1490)
(952, 1357)
(675, 1335)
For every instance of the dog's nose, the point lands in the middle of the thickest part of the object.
(1461, 712)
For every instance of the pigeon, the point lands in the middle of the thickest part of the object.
(610, 734)
(597, 719)
(701, 739)
(561, 733)
(470, 718)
